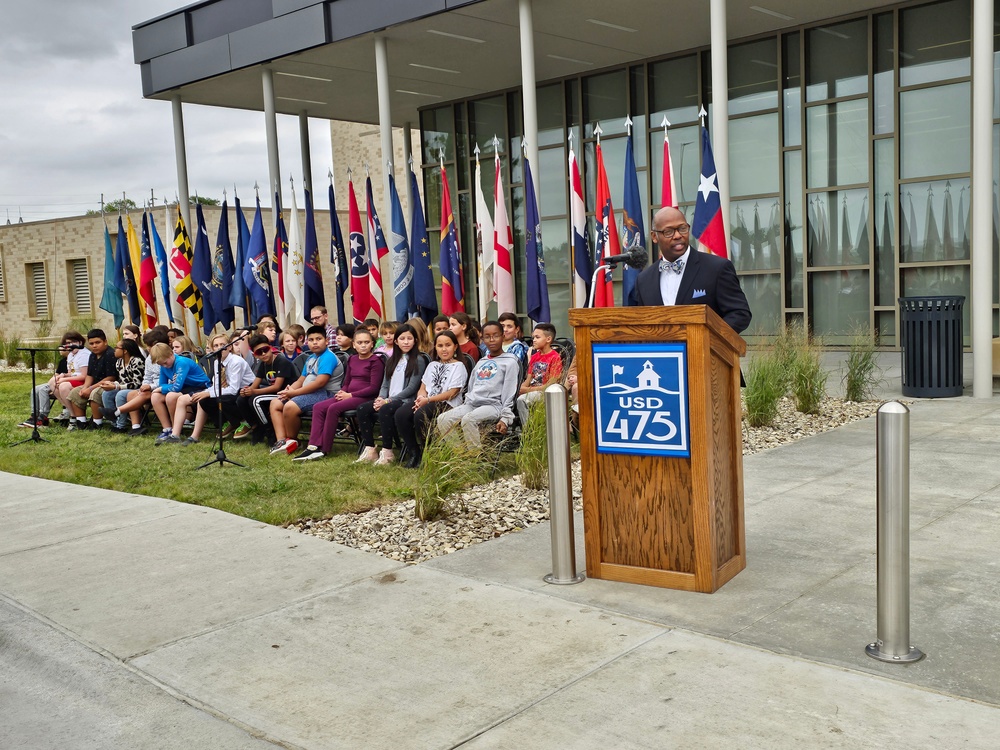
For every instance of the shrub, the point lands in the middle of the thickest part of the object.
(863, 373)
(808, 380)
(448, 465)
(10, 350)
(767, 381)
(532, 455)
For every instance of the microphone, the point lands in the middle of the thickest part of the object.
(636, 258)
(246, 329)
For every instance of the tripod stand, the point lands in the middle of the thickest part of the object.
(35, 436)
(220, 454)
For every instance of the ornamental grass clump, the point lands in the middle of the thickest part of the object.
(449, 465)
(766, 383)
(808, 379)
(532, 457)
(863, 374)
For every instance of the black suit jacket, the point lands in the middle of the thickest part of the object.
(707, 280)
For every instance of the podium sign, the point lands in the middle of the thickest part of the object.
(641, 399)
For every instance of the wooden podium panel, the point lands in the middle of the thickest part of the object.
(675, 522)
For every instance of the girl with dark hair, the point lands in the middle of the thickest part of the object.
(130, 367)
(440, 390)
(402, 379)
(466, 333)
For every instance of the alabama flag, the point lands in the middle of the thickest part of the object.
(707, 226)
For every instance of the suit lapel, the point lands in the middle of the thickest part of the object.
(689, 277)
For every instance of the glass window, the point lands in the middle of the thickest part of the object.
(840, 304)
(837, 60)
(673, 90)
(552, 181)
(763, 292)
(838, 143)
(684, 156)
(884, 221)
(755, 234)
(438, 127)
(885, 323)
(837, 228)
(934, 42)
(753, 76)
(940, 280)
(884, 88)
(604, 101)
(488, 118)
(516, 213)
(934, 130)
(613, 151)
(935, 221)
(753, 155)
(792, 90)
(550, 115)
(794, 230)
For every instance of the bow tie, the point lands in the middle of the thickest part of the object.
(676, 266)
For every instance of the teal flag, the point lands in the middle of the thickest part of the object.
(111, 299)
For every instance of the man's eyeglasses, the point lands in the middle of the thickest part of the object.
(261, 351)
(316, 318)
(671, 232)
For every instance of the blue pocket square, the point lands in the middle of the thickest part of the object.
(698, 293)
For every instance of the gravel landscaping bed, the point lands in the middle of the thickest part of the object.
(504, 506)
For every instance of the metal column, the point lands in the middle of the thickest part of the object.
(307, 181)
(982, 199)
(385, 132)
(528, 88)
(720, 106)
(271, 125)
(180, 153)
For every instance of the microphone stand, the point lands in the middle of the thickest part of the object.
(220, 455)
(35, 435)
(636, 261)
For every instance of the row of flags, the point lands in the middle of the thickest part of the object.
(209, 284)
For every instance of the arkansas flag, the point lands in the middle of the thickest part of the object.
(707, 225)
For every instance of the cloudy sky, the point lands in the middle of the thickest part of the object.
(73, 123)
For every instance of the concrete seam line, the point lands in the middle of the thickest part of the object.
(516, 712)
(88, 536)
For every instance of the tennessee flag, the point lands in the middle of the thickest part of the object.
(707, 227)
(360, 288)
(607, 241)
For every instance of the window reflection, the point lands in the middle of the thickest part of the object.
(604, 101)
(838, 143)
(840, 304)
(884, 222)
(837, 60)
(753, 155)
(673, 90)
(837, 228)
(763, 292)
(794, 226)
(934, 42)
(753, 76)
(935, 135)
(438, 126)
(550, 176)
(684, 155)
(934, 221)
(550, 114)
(755, 232)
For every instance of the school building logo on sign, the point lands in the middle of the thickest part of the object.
(641, 399)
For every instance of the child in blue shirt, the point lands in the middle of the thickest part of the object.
(180, 377)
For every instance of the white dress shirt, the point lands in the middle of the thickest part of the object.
(670, 282)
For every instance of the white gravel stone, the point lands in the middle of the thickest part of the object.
(505, 506)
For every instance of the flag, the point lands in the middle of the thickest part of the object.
(424, 294)
(160, 258)
(175, 303)
(932, 238)
(846, 245)
(201, 274)
(583, 267)
(111, 299)
(914, 237)
(633, 226)
(606, 241)
(503, 246)
(947, 232)
(707, 227)
(222, 272)
(314, 295)
(377, 249)
(181, 258)
(617, 370)
(964, 218)
(452, 288)
(402, 263)
(256, 271)
(485, 250)
(338, 256)
(132, 261)
(147, 278)
(883, 241)
(668, 188)
(278, 263)
(861, 245)
(295, 270)
(238, 291)
(537, 284)
(360, 286)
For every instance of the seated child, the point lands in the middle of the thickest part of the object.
(364, 376)
(544, 368)
(100, 375)
(399, 387)
(41, 398)
(512, 336)
(180, 378)
(130, 366)
(440, 323)
(490, 395)
(387, 332)
(319, 381)
(466, 333)
(440, 390)
(151, 378)
(273, 373)
(235, 374)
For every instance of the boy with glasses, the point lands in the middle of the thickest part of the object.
(273, 373)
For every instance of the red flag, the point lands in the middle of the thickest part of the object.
(360, 288)
(707, 227)
(607, 242)
(668, 189)
(377, 249)
(452, 284)
(147, 276)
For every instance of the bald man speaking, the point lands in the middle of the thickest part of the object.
(687, 277)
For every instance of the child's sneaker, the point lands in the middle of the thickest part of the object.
(190, 440)
(291, 446)
(243, 432)
(309, 454)
(280, 447)
(162, 437)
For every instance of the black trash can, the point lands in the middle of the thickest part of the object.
(931, 339)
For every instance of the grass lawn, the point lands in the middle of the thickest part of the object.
(271, 489)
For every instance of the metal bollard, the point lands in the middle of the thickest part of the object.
(560, 489)
(892, 642)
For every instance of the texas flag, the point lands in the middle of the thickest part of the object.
(707, 225)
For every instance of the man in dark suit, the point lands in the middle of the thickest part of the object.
(684, 276)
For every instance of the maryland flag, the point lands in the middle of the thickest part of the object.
(181, 258)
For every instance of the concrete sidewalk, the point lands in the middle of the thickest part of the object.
(134, 622)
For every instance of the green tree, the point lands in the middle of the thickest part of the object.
(113, 207)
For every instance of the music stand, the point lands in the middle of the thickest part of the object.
(35, 435)
(220, 455)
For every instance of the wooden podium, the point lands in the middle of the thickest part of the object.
(675, 522)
